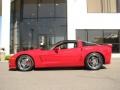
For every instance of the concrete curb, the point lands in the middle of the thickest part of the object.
(115, 56)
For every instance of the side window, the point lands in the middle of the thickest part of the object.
(67, 45)
(63, 46)
(71, 45)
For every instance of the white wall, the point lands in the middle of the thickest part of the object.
(78, 18)
(0, 30)
(5, 31)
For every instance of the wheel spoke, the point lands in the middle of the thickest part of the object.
(25, 63)
(93, 61)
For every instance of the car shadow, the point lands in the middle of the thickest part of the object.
(61, 69)
(65, 68)
(103, 67)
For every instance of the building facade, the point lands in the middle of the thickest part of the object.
(33, 23)
(37, 22)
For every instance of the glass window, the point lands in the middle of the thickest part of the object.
(43, 31)
(28, 33)
(12, 20)
(46, 8)
(103, 6)
(119, 39)
(95, 36)
(0, 7)
(42, 23)
(67, 45)
(12, 12)
(81, 35)
(60, 8)
(30, 9)
(54, 28)
(52, 8)
(111, 36)
(101, 36)
(118, 5)
(17, 9)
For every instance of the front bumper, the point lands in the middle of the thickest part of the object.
(12, 63)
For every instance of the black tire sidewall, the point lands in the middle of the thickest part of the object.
(100, 61)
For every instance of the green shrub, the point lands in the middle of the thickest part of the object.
(7, 57)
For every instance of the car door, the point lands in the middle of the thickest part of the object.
(69, 56)
(61, 55)
(50, 58)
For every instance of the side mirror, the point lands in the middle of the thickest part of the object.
(56, 50)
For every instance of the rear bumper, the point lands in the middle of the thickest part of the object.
(108, 59)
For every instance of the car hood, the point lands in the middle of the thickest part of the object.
(29, 52)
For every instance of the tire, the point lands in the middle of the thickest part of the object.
(94, 61)
(25, 63)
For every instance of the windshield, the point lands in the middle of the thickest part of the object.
(73, 43)
(51, 47)
(56, 44)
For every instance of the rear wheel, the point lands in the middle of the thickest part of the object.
(25, 63)
(94, 61)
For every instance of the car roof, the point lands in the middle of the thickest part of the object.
(64, 41)
(68, 41)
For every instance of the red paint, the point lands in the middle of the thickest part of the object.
(63, 57)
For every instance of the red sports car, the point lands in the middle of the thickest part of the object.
(67, 53)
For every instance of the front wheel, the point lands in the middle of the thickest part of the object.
(94, 61)
(25, 63)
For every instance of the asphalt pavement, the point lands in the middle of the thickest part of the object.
(107, 78)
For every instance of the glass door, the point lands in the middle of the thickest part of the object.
(45, 41)
(40, 22)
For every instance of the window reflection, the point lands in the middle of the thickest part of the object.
(101, 36)
(60, 8)
(39, 22)
(81, 34)
(30, 9)
(111, 36)
(52, 8)
(46, 8)
(17, 9)
(32, 31)
(95, 36)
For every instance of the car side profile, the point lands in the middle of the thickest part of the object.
(66, 53)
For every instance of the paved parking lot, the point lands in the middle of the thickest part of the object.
(107, 78)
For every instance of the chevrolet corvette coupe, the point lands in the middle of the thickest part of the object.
(66, 53)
